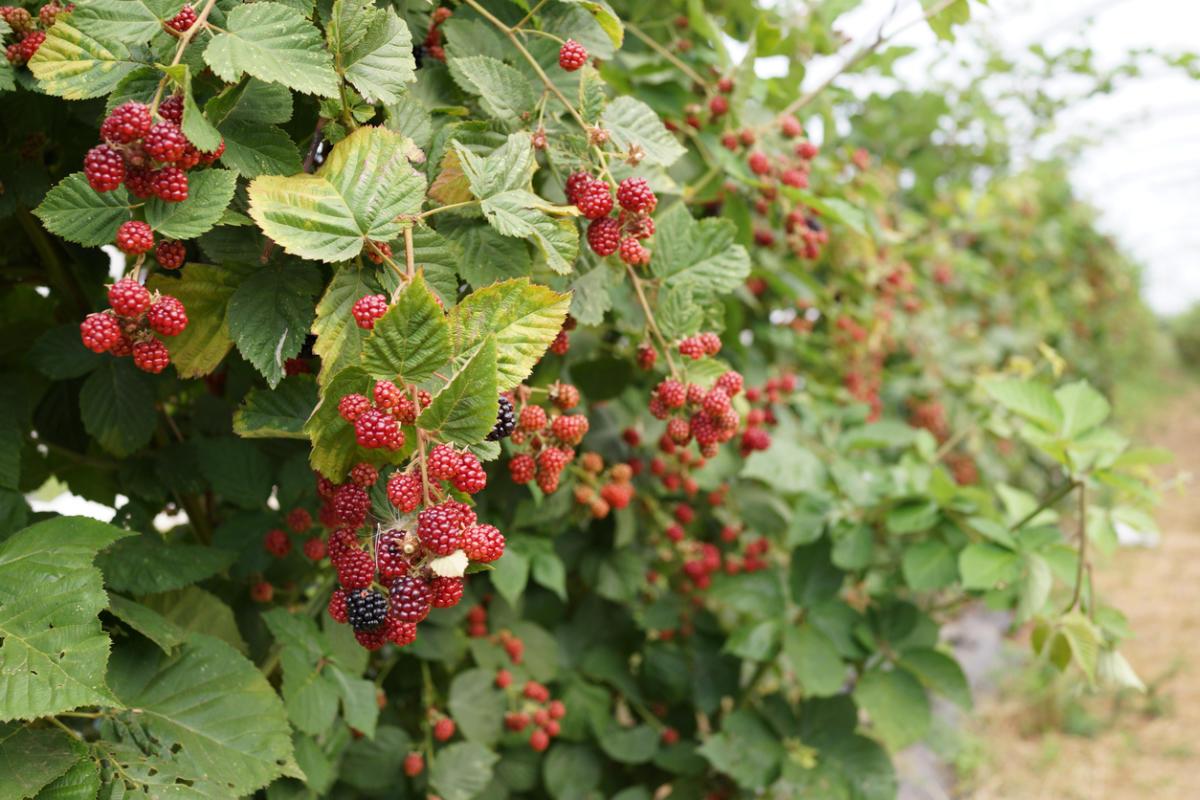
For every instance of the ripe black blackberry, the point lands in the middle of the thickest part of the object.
(366, 609)
(506, 421)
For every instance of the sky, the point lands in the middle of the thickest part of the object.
(1143, 168)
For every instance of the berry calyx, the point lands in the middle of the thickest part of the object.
(369, 308)
(134, 238)
(572, 55)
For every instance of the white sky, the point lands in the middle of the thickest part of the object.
(1143, 171)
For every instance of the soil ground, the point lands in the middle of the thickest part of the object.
(1059, 746)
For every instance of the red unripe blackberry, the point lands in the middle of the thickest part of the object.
(399, 632)
(440, 528)
(633, 253)
(151, 356)
(314, 548)
(262, 592)
(391, 558)
(716, 402)
(171, 109)
(807, 150)
(48, 14)
(484, 543)
(794, 177)
(440, 15)
(532, 419)
(298, 520)
(536, 692)
(369, 308)
(139, 181)
(377, 252)
(679, 431)
(126, 123)
(446, 592)
(351, 503)
(604, 236)
(718, 106)
(639, 225)
(635, 194)
(165, 142)
(104, 168)
(414, 763)
(570, 429)
(470, 477)
(729, 141)
(595, 200)
(758, 162)
(572, 55)
(122, 347)
(711, 342)
(170, 184)
(731, 382)
(373, 428)
(576, 183)
(167, 316)
(209, 156)
(561, 343)
(372, 640)
(443, 462)
(337, 606)
(522, 468)
(646, 355)
(404, 491)
(170, 253)
(443, 729)
(516, 721)
(503, 678)
(366, 609)
(352, 406)
(364, 475)
(405, 411)
(189, 159)
(564, 396)
(99, 332)
(411, 598)
(541, 717)
(277, 543)
(185, 19)
(134, 237)
(355, 569)
(671, 393)
(790, 127)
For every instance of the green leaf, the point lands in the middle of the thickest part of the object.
(678, 314)
(147, 565)
(75, 65)
(603, 13)
(521, 214)
(196, 127)
(269, 316)
(339, 339)
(755, 641)
(255, 149)
(571, 771)
(251, 100)
(277, 413)
(1031, 400)
(374, 766)
(912, 516)
(984, 565)
(78, 213)
(635, 745)
(507, 168)
(357, 194)
(632, 122)
(117, 406)
(956, 12)
(309, 695)
(745, 750)
(275, 43)
(1083, 408)
(549, 571)
(360, 704)
(511, 575)
(1084, 639)
(209, 711)
(205, 291)
(940, 673)
(504, 93)
(412, 340)
(929, 565)
(698, 254)
(334, 448)
(896, 704)
(815, 660)
(477, 706)
(80, 782)
(53, 653)
(236, 469)
(194, 610)
(521, 317)
(437, 258)
(464, 411)
(31, 758)
(372, 48)
(209, 194)
(147, 622)
(462, 770)
(127, 21)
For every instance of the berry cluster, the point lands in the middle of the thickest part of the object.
(278, 543)
(624, 233)
(601, 490)
(129, 326)
(28, 32)
(693, 412)
(377, 420)
(545, 442)
(149, 157)
(433, 38)
(532, 706)
(700, 345)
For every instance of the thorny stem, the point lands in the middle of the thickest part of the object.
(668, 55)
(184, 40)
(650, 321)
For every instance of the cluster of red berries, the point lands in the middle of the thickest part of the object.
(624, 233)
(532, 706)
(693, 412)
(547, 441)
(377, 420)
(700, 345)
(459, 468)
(148, 157)
(433, 38)
(129, 326)
(28, 31)
(278, 543)
(615, 490)
(761, 416)
(929, 415)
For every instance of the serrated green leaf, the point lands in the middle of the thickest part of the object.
(309, 694)
(815, 661)
(78, 213)
(128, 21)
(53, 653)
(32, 758)
(678, 315)
(632, 122)
(339, 339)
(209, 193)
(896, 703)
(635, 745)
(208, 710)
(357, 194)
(504, 93)
(603, 13)
(254, 149)
(75, 65)
(700, 254)
(464, 411)
(508, 167)
(195, 126)
(204, 290)
(477, 706)
(236, 469)
(462, 770)
(436, 257)
(521, 317)
(117, 406)
(372, 48)
(251, 100)
(521, 214)
(194, 610)
(148, 565)
(277, 413)
(1031, 400)
(275, 43)
(745, 750)
(80, 782)
(412, 340)
(486, 255)
(147, 622)
(269, 316)
(334, 448)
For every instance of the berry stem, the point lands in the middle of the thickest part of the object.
(184, 41)
(650, 321)
(409, 261)
(1083, 559)
(421, 450)
(679, 64)
(449, 207)
(529, 16)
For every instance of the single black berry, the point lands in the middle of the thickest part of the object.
(506, 421)
(366, 609)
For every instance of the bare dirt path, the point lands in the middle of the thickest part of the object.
(1151, 747)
